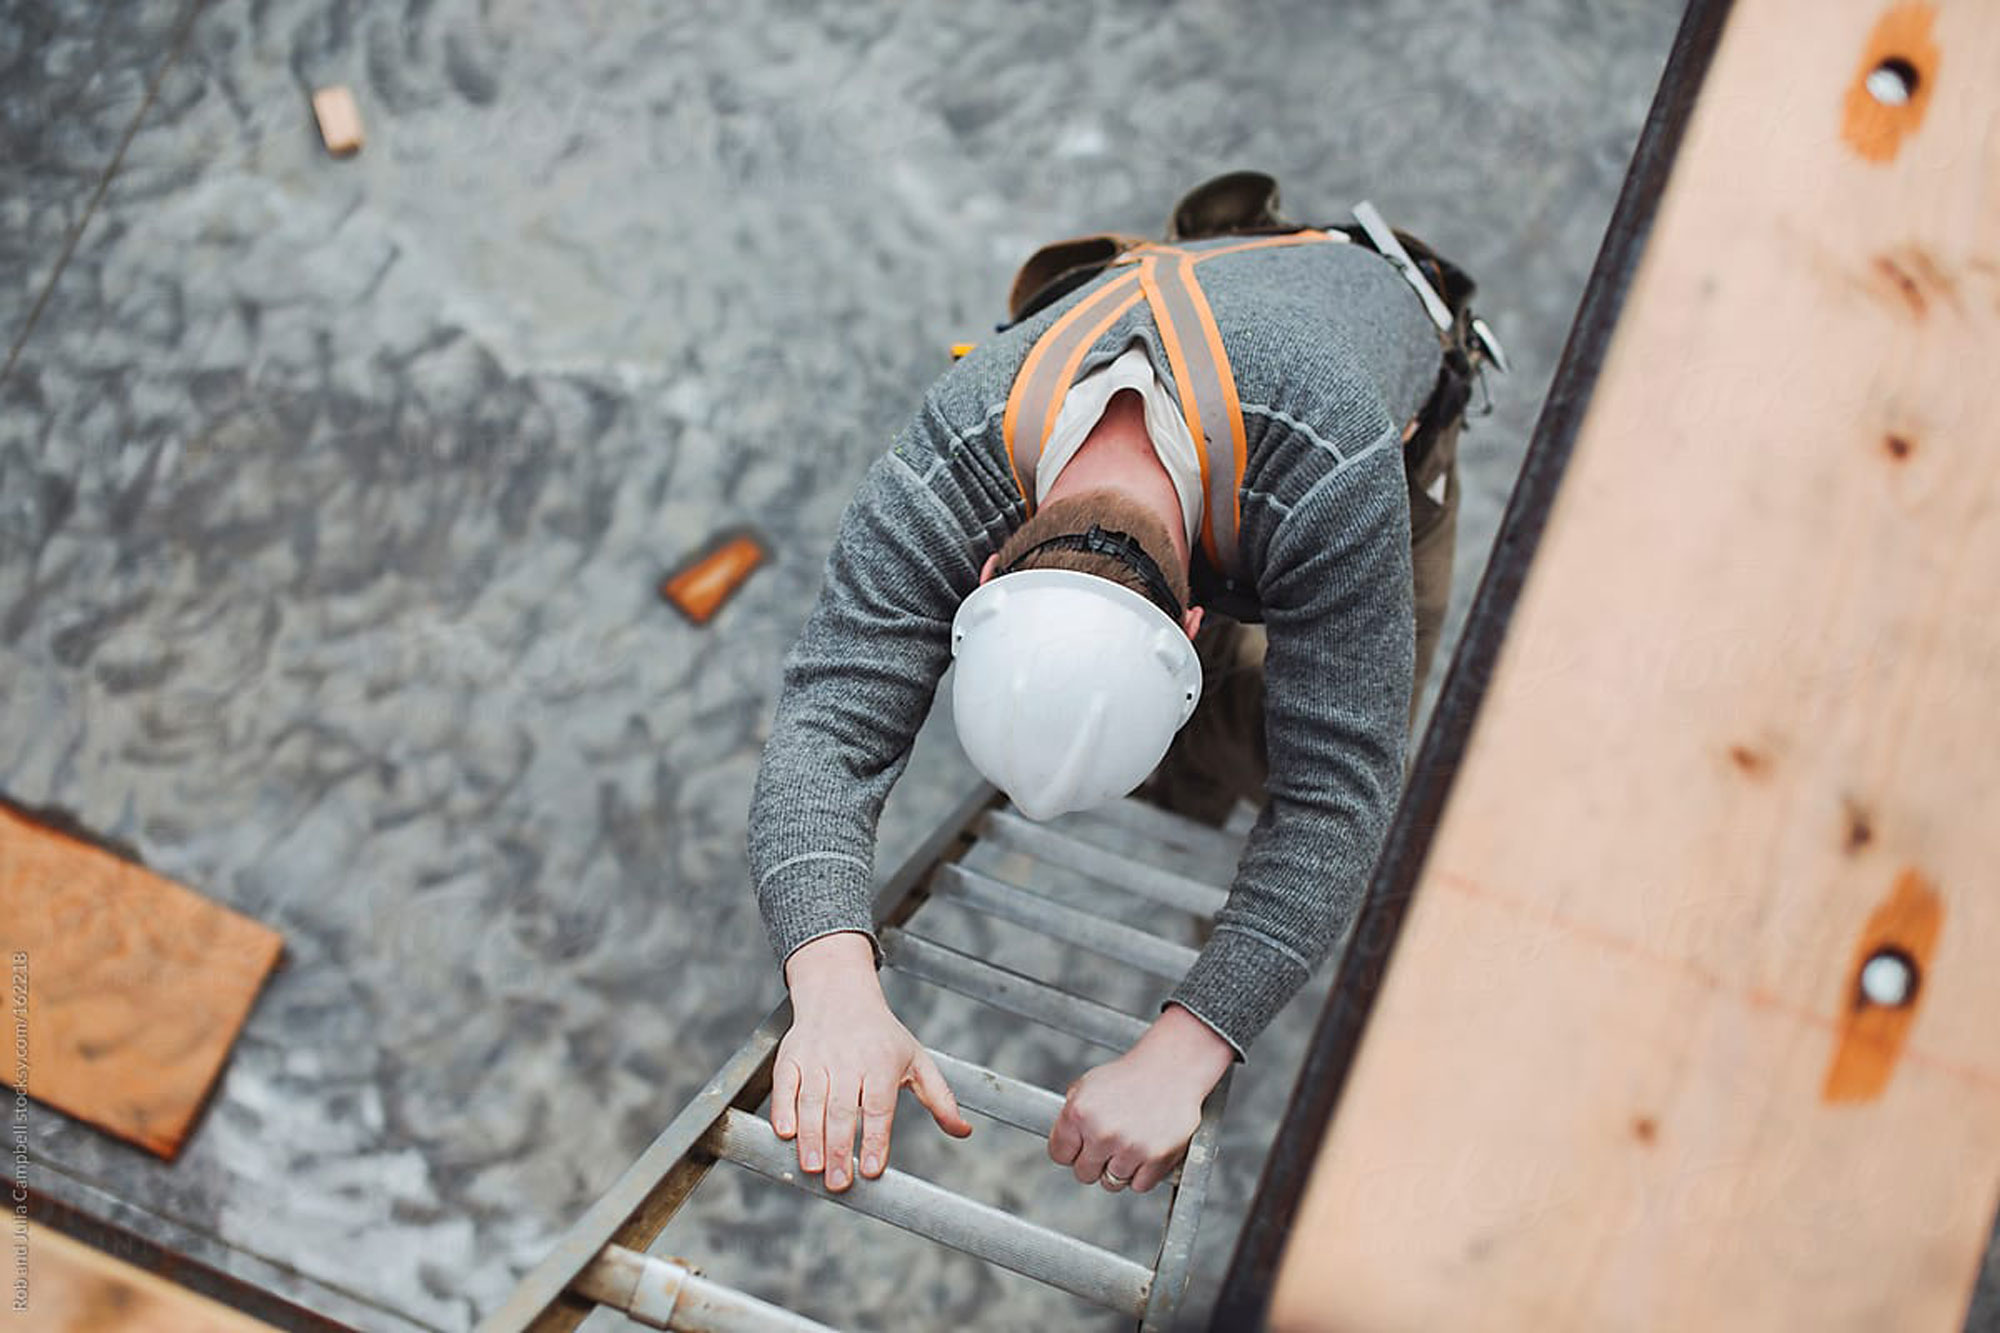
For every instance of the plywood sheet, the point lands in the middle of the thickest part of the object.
(77, 1289)
(1743, 736)
(133, 987)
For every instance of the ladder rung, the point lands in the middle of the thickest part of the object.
(1010, 830)
(1006, 989)
(1141, 829)
(1113, 939)
(665, 1293)
(992, 1093)
(917, 1205)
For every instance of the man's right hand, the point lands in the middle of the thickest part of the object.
(846, 1053)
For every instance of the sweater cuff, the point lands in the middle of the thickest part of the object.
(1238, 985)
(818, 893)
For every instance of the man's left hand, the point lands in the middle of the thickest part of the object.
(1128, 1122)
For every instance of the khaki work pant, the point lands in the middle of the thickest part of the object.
(1220, 756)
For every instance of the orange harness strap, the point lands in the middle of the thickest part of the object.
(1165, 279)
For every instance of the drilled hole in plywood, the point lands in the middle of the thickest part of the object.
(1893, 82)
(1886, 982)
(1889, 978)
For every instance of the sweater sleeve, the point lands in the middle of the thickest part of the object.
(1337, 678)
(857, 686)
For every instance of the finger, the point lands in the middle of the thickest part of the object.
(937, 1098)
(1065, 1140)
(785, 1098)
(1123, 1168)
(1152, 1173)
(1089, 1164)
(878, 1117)
(841, 1109)
(812, 1120)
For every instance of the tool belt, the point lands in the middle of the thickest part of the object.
(1246, 204)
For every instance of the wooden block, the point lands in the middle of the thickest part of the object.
(339, 120)
(712, 576)
(81, 1289)
(1626, 1069)
(135, 986)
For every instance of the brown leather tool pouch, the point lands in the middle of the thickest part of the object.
(1060, 267)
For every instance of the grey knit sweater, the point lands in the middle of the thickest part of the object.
(1332, 354)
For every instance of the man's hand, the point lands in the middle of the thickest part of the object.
(847, 1051)
(1132, 1118)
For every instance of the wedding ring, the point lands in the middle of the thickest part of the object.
(1115, 1178)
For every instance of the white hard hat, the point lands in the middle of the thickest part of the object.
(1069, 687)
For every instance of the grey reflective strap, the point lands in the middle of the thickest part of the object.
(1048, 372)
(1207, 389)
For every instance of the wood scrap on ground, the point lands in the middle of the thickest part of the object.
(339, 120)
(134, 988)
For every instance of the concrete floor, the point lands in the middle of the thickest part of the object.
(333, 493)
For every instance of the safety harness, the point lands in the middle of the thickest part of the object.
(1163, 276)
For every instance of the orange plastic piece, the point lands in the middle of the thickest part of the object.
(705, 583)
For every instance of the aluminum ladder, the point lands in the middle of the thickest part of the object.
(602, 1260)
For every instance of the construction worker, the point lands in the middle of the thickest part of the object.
(1089, 511)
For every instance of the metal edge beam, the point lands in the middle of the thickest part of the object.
(1244, 1299)
(228, 1289)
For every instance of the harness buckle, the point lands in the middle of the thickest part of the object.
(1489, 345)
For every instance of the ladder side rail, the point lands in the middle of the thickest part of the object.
(1176, 1258)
